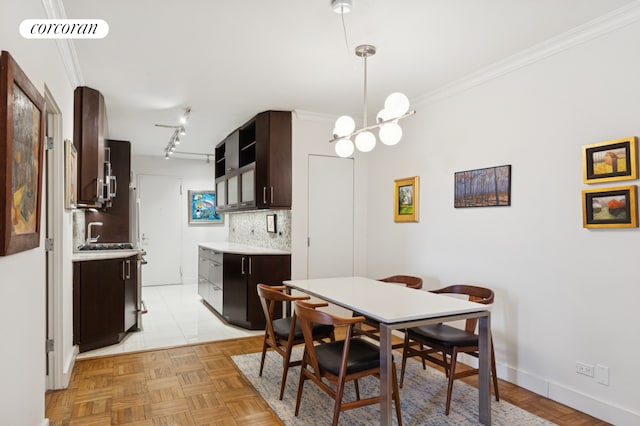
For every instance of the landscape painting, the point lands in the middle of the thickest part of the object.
(610, 161)
(483, 187)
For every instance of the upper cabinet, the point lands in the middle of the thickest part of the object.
(253, 164)
(88, 137)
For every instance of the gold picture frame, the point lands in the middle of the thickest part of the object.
(610, 161)
(406, 199)
(70, 175)
(610, 207)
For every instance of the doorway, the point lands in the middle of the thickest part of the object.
(330, 192)
(159, 227)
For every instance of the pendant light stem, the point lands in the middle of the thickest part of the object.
(364, 58)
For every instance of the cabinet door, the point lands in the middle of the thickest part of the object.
(130, 273)
(234, 287)
(221, 193)
(233, 191)
(101, 296)
(88, 131)
(270, 270)
(273, 159)
(248, 188)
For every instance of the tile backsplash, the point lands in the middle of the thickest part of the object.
(251, 228)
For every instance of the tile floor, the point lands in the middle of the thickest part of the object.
(176, 317)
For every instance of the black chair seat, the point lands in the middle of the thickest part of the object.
(444, 335)
(282, 326)
(363, 355)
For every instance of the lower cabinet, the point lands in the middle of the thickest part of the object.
(104, 301)
(241, 273)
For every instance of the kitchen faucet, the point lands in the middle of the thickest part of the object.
(89, 238)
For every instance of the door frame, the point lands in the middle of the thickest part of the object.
(56, 378)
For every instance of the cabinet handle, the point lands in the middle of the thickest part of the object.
(242, 265)
(122, 275)
(98, 189)
(272, 195)
(128, 269)
(264, 195)
(249, 266)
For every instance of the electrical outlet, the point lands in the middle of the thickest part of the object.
(583, 368)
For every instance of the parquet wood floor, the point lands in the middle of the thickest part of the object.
(200, 385)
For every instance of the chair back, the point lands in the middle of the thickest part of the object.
(475, 294)
(408, 280)
(307, 316)
(270, 296)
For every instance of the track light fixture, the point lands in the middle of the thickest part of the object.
(178, 130)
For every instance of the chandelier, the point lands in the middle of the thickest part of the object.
(396, 107)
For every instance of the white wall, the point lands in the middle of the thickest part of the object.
(22, 286)
(563, 293)
(311, 134)
(195, 174)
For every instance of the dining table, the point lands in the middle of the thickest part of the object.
(398, 307)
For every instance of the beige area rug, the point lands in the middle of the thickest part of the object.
(422, 398)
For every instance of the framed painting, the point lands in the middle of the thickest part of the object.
(483, 187)
(272, 226)
(202, 208)
(21, 158)
(610, 161)
(610, 207)
(406, 199)
(70, 175)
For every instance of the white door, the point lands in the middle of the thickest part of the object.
(330, 217)
(160, 215)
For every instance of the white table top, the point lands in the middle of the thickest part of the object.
(384, 302)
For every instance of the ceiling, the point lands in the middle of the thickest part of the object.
(229, 60)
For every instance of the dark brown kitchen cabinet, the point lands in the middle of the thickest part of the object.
(115, 218)
(89, 126)
(104, 301)
(253, 164)
(241, 274)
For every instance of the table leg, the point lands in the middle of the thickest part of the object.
(484, 406)
(386, 358)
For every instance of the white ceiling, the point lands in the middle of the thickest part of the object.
(229, 60)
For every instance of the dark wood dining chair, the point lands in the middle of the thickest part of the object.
(339, 362)
(371, 327)
(282, 334)
(447, 341)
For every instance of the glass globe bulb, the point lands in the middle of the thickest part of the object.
(383, 115)
(396, 104)
(390, 133)
(344, 126)
(344, 147)
(365, 141)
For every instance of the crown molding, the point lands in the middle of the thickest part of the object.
(604, 24)
(55, 10)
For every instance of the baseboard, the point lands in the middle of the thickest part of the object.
(603, 410)
(45, 422)
(68, 367)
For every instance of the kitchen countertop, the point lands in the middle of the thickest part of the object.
(81, 256)
(236, 248)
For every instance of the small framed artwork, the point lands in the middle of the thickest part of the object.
(610, 161)
(483, 187)
(272, 225)
(610, 207)
(21, 158)
(202, 208)
(70, 175)
(406, 199)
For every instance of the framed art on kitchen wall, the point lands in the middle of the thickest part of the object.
(21, 158)
(202, 208)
